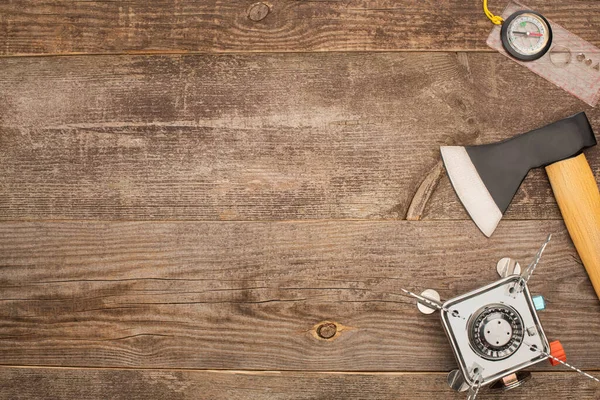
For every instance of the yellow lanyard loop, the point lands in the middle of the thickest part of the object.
(496, 19)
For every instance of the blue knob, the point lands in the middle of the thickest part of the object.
(539, 303)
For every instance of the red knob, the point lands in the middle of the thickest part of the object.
(556, 350)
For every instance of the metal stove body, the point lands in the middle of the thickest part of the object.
(494, 331)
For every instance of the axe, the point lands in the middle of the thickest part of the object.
(487, 177)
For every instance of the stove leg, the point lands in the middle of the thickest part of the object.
(456, 381)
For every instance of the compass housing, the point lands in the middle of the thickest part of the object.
(492, 331)
(507, 40)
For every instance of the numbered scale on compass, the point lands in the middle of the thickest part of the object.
(526, 35)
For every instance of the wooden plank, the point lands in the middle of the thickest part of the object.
(89, 384)
(248, 295)
(263, 137)
(67, 27)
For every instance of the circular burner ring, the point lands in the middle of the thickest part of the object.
(496, 331)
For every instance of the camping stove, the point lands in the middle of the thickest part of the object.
(496, 336)
(494, 331)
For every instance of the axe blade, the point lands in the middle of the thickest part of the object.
(470, 189)
(486, 177)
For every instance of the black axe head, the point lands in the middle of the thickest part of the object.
(487, 177)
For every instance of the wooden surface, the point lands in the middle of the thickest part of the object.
(178, 226)
(67, 27)
(87, 384)
(224, 137)
(172, 295)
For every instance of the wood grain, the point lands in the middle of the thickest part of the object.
(90, 384)
(234, 295)
(67, 27)
(578, 198)
(321, 127)
(262, 137)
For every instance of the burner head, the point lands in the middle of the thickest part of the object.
(495, 331)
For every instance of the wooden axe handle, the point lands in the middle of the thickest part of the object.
(578, 198)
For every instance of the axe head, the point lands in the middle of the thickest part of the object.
(487, 177)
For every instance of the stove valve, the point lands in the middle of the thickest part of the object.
(557, 351)
(539, 303)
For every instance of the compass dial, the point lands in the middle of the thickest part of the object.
(526, 35)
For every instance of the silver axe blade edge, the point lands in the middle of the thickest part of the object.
(470, 189)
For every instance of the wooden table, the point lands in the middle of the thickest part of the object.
(192, 191)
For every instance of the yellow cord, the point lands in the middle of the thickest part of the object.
(496, 19)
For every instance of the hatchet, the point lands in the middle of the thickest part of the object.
(487, 177)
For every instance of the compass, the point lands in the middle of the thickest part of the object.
(526, 35)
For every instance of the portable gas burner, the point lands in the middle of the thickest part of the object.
(494, 331)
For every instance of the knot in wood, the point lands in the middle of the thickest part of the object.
(258, 11)
(327, 330)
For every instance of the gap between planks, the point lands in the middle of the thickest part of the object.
(234, 53)
(258, 371)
